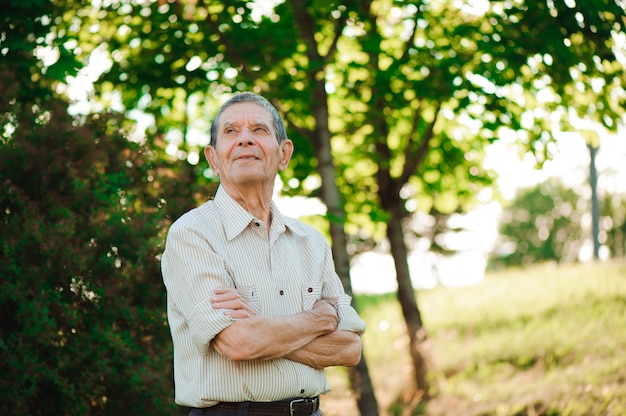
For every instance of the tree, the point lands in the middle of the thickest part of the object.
(84, 325)
(430, 68)
(83, 218)
(543, 224)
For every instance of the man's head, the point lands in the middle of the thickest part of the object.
(248, 144)
(250, 97)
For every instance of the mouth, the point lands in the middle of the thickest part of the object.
(247, 157)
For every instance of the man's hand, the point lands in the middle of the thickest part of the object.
(327, 312)
(231, 304)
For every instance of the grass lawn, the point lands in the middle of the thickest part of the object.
(544, 340)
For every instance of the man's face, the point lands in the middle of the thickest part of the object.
(246, 151)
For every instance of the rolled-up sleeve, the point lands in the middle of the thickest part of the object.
(333, 291)
(349, 320)
(192, 270)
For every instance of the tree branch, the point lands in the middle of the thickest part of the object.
(415, 157)
(339, 25)
(306, 27)
(292, 121)
(230, 49)
(408, 150)
(410, 41)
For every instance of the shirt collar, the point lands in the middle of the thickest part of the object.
(239, 218)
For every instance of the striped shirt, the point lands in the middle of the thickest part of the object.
(220, 244)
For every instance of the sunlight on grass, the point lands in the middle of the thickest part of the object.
(545, 340)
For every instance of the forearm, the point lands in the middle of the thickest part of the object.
(339, 348)
(267, 337)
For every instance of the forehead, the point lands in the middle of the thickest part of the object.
(246, 112)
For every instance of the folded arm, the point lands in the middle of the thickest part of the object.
(308, 337)
(255, 337)
(337, 348)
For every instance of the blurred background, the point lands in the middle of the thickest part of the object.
(465, 158)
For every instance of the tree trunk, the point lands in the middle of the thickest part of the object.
(360, 381)
(391, 202)
(595, 207)
(419, 388)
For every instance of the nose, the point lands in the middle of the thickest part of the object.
(245, 138)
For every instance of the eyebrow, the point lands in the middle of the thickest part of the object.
(262, 124)
(254, 123)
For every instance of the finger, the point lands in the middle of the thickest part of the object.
(237, 314)
(226, 293)
(227, 304)
(224, 297)
(235, 304)
(323, 304)
(220, 290)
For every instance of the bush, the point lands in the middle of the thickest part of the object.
(83, 327)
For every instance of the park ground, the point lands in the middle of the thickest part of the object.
(542, 340)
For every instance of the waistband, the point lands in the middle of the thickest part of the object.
(289, 407)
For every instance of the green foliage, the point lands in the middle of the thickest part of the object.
(83, 326)
(413, 96)
(25, 27)
(543, 223)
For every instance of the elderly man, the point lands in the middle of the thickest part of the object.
(255, 307)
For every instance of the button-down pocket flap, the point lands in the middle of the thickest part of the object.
(311, 293)
(251, 295)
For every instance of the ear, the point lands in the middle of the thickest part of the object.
(286, 151)
(209, 153)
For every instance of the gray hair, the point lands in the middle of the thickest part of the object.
(250, 97)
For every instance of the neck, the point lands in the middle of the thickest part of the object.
(257, 201)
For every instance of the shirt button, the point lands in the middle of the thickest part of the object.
(281, 293)
(301, 391)
(310, 289)
(257, 224)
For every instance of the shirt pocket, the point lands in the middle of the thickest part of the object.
(311, 293)
(250, 294)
